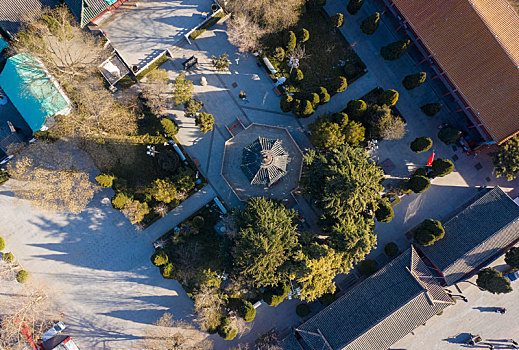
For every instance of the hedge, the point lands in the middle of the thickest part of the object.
(428, 232)
(302, 310)
(384, 212)
(413, 81)
(418, 183)
(159, 258)
(368, 267)
(22, 276)
(2, 244)
(421, 144)
(391, 249)
(431, 109)
(449, 135)
(291, 41)
(441, 167)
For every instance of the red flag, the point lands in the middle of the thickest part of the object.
(431, 158)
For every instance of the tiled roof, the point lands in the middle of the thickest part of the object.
(290, 343)
(15, 12)
(475, 235)
(86, 10)
(475, 42)
(379, 311)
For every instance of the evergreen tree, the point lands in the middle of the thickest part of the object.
(370, 24)
(493, 281)
(354, 6)
(395, 50)
(413, 81)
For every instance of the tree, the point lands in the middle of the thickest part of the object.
(192, 107)
(305, 109)
(163, 190)
(182, 89)
(207, 305)
(156, 90)
(506, 159)
(324, 96)
(221, 63)
(291, 41)
(388, 98)
(304, 35)
(267, 239)
(326, 135)
(340, 84)
(169, 127)
(354, 6)
(418, 183)
(205, 121)
(368, 267)
(441, 167)
(243, 32)
(105, 180)
(449, 135)
(385, 124)
(428, 232)
(297, 54)
(160, 257)
(298, 75)
(391, 249)
(247, 311)
(279, 54)
(302, 310)
(268, 341)
(511, 257)
(52, 177)
(356, 109)
(431, 109)
(286, 103)
(370, 24)
(336, 21)
(2, 244)
(384, 212)
(493, 281)
(395, 50)
(119, 200)
(421, 144)
(135, 211)
(413, 81)
(226, 330)
(354, 133)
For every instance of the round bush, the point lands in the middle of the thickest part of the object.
(279, 54)
(354, 6)
(167, 271)
(169, 127)
(302, 310)
(314, 99)
(286, 103)
(8, 257)
(370, 24)
(2, 244)
(247, 311)
(356, 109)
(159, 258)
(105, 180)
(413, 81)
(22, 276)
(368, 267)
(120, 200)
(388, 98)
(198, 221)
(428, 232)
(327, 298)
(421, 144)
(340, 84)
(324, 96)
(305, 109)
(441, 167)
(226, 331)
(391, 249)
(304, 35)
(418, 183)
(449, 135)
(299, 75)
(384, 212)
(421, 172)
(431, 109)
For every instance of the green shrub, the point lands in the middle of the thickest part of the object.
(493, 281)
(368, 267)
(169, 127)
(413, 81)
(356, 109)
(296, 105)
(279, 54)
(395, 50)
(340, 84)
(298, 75)
(119, 200)
(302, 310)
(441, 167)
(159, 258)
(247, 311)
(22, 276)
(370, 24)
(272, 299)
(204, 121)
(354, 6)
(8, 257)
(449, 135)
(105, 180)
(421, 144)
(198, 222)
(286, 103)
(384, 212)
(2, 244)
(428, 232)
(163, 190)
(304, 35)
(431, 109)
(306, 109)
(337, 21)
(388, 98)
(421, 172)
(135, 211)
(418, 184)
(324, 96)
(167, 270)
(512, 257)
(4, 176)
(314, 99)
(291, 41)
(226, 331)
(391, 249)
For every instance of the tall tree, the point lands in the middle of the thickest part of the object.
(155, 91)
(244, 33)
(506, 159)
(267, 240)
(182, 89)
(493, 281)
(207, 308)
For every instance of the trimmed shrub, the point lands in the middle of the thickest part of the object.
(421, 172)
(286, 103)
(391, 249)
(368, 267)
(314, 99)
(291, 41)
(105, 180)
(349, 69)
(493, 281)
(413, 81)
(167, 271)
(336, 21)
(354, 133)
(119, 200)
(354, 6)
(388, 98)
(163, 190)
(431, 109)
(340, 84)
(512, 257)
(421, 144)
(169, 127)
(384, 212)
(8, 258)
(2, 244)
(449, 135)
(298, 75)
(441, 167)
(198, 221)
(226, 331)
(428, 232)
(356, 109)
(305, 109)
(159, 258)
(247, 311)
(370, 24)
(279, 54)
(22, 276)
(205, 122)
(304, 35)
(418, 183)
(302, 310)
(395, 50)
(324, 96)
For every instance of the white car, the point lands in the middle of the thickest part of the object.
(58, 327)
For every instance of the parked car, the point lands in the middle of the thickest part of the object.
(512, 276)
(58, 327)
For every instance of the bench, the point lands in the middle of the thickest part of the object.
(190, 63)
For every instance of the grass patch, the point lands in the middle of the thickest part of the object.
(157, 63)
(207, 25)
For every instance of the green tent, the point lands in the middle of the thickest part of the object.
(34, 93)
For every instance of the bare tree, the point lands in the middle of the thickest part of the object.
(155, 91)
(244, 33)
(52, 178)
(268, 341)
(297, 54)
(207, 308)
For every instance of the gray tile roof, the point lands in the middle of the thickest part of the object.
(475, 235)
(86, 10)
(290, 343)
(380, 310)
(14, 12)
